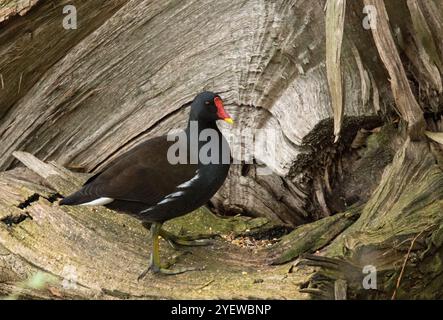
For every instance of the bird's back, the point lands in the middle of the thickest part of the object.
(143, 182)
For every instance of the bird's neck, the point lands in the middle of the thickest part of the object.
(196, 140)
(197, 126)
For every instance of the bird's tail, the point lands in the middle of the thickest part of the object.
(75, 199)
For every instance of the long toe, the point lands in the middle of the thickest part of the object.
(193, 243)
(173, 240)
(144, 273)
(166, 269)
(170, 272)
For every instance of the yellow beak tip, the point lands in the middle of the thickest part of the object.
(229, 120)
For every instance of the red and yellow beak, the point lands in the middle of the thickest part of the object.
(221, 113)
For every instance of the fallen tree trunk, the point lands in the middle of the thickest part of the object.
(94, 253)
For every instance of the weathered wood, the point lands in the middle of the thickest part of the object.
(79, 99)
(32, 44)
(10, 8)
(57, 177)
(406, 102)
(96, 253)
(406, 204)
(427, 49)
(335, 22)
(311, 237)
(127, 81)
(340, 287)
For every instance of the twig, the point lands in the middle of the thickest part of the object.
(2, 81)
(400, 276)
(20, 83)
(397, 246)
(206, 284)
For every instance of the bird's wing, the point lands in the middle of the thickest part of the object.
(144, 174)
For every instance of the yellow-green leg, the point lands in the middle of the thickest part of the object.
(154, 264)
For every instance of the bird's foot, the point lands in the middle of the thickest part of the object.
(166, 270)
(175, 241)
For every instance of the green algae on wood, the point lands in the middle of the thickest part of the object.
(312, 237)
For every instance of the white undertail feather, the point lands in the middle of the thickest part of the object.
(98, 202)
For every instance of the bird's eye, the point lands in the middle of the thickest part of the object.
(207, 103)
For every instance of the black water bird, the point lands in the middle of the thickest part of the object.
(148, 183)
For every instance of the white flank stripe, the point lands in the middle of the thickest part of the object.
(147, 210)
(170, 197)
(165, 201)
(98, 202)
(190, 182)
(175, 194)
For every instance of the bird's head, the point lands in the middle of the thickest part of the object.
(209, 106)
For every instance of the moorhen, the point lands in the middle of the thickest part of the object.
(149, 182)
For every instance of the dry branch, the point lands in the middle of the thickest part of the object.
(335, 21)
(405, 100)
